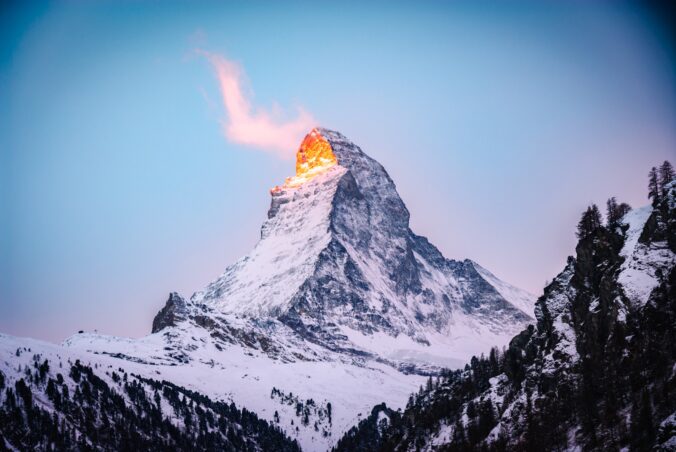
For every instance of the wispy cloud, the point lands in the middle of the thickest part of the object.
(266, 129)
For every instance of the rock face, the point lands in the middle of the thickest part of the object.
(595, 373)
(174, 311)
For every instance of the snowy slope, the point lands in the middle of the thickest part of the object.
(247, 377)
(339, 303)
(284, 258)
(639, 272)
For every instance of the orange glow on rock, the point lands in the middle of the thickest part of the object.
(313, 157)
(314, 152)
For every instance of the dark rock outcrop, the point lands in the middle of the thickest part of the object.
(173, 312)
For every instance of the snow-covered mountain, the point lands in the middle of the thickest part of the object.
(338, 264)
(339, 306)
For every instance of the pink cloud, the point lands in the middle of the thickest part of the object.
(253, 126)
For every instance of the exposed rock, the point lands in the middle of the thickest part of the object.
(174, 311)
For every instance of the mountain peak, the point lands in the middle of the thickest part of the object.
(337, 263)
(314, 156)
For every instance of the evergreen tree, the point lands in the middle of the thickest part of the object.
(590, 221)
(494, 360)
(459, 434)
(653, 186)
(666, 176)
(486, 418)
(615, 212)
(623, 209)
(44, 369)
(23, 391)
(611, 211)
(642, 428)
(595, 217)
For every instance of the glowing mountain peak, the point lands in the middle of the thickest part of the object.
(314, 153)
(314, 156)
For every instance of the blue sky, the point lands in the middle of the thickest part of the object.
(499, 123)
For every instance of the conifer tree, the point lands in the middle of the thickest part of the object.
(666, 176)
(611, 212)
(590, 221)
(595, 216)
(615, 212)
(623, 209)
(653, 186)
(459, 434)
(642, 429)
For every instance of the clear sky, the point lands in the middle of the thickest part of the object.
(120, 180)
